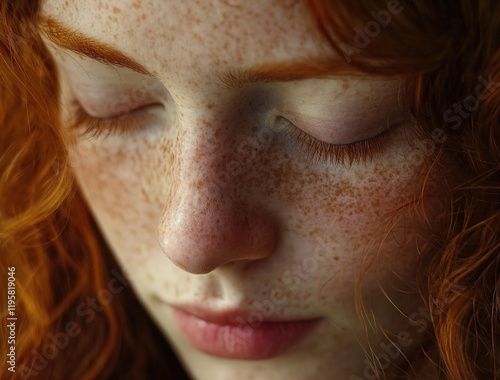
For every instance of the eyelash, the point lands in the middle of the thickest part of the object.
(340, 154)
(316, 151)
(87, 125)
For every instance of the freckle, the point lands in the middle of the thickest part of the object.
(116, 10)
(167, 285)
(336, 258)
(136, 4)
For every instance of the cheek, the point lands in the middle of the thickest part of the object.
(352, 220)
(118, 187)
(355, 206)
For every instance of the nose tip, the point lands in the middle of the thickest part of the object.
(204, 235)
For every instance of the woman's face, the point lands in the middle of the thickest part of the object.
(218, 199)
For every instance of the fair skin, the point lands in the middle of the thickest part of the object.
(209, 202)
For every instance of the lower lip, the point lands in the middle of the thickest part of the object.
(262, 341)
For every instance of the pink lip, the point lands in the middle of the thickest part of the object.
(239, 335)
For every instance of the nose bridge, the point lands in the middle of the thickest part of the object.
(211, 218)
(218, 134)
(205, 142)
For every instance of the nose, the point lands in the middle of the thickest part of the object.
(207, 223)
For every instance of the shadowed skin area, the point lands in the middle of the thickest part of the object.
(210, 198)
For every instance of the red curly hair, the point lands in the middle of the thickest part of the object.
(449, 54)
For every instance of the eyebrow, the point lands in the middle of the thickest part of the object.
(87, 46)
(287, 71)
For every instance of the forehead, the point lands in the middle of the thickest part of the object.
(202, 35)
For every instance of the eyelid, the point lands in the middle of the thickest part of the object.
(106, 101)
(341, 131)
(135, 120)
(341, 154)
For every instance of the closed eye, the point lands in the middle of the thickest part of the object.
(341, 154)
(133, 121)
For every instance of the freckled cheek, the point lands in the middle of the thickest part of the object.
(360, 225)
(348, 226)
(367, 205)
(118, 199)
(356, 222)
(371, 204)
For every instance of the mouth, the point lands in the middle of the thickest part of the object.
(239, 334)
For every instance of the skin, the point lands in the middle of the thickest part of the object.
(210, 203)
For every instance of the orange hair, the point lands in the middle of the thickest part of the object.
(444, 49)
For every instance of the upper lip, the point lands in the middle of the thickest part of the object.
(232, 316)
